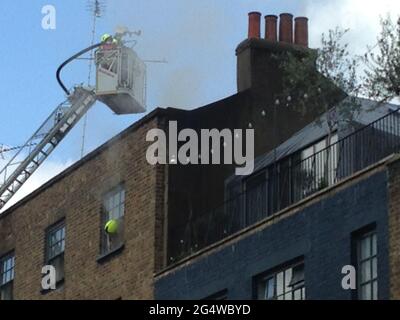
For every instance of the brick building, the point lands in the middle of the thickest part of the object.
(199, 231)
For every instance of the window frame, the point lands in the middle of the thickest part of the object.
(49, 260)
(261, 280)
(372, 235)
(9, 285)
(314, 163)
(106, 248)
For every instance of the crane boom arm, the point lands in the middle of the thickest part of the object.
(43, 142)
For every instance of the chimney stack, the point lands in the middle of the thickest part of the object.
(271, 28)
(286, 28)
(259, 60)
(254, 25)
(301, 31)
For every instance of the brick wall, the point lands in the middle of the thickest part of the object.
(77, 197)
(319, 229)
(394, 228)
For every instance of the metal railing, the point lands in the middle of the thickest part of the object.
(286, 182)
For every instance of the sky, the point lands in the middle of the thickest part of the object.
(197, 38)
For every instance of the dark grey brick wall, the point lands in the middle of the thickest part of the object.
(321, 233)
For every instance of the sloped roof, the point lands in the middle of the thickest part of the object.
(318, 129)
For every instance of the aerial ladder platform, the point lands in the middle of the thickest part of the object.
(120, 84)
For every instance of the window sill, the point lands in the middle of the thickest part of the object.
(104, 257)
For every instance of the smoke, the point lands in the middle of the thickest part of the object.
(189, 35)
(198, 39)
(360, 16)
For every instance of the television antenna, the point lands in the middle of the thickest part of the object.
(97, 9)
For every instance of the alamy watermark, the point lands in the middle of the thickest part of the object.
(198, 150)
(350, 278)
(49, 21)
(49, 280)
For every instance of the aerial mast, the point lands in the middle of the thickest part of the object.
(97, 9)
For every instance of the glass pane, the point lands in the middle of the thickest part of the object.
(374, 244)
(52, 239)
(307, 153)
(297, 294)
(116, 200)
(58, 264)
(334, 139)
(320, 146)
(288, 278)
(6, 292)
(7, 270)
(269, 289)
(374, 268)
(303, 292)
(365, 271)
(120, 197)
(109, 203)
(375, 290)
(114, 213)
(279, 283)
(122, 210)
(365, 248)
(366, 292)
(288, 296)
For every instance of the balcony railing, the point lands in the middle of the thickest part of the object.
(288, 181)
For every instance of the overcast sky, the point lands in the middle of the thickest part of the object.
(197, 38)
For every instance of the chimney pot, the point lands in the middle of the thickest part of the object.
(254, 24)
(301, 31)
(286, 28)
(271, 28)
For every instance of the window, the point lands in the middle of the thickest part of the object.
(318, 168)
(55, 246)
(367, 266)
(285, 284)
(113, 209)
(7, 264)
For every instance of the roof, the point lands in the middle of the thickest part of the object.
(158, 112)
(317, 130)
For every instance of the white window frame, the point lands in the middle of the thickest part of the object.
(278, 285)
(7, 273)
(367, 266)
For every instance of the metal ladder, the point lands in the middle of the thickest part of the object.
(44, 141)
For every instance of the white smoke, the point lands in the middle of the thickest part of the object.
(362, 17)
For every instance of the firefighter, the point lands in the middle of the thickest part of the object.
(108, 44)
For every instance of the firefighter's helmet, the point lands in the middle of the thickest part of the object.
(106, 37)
